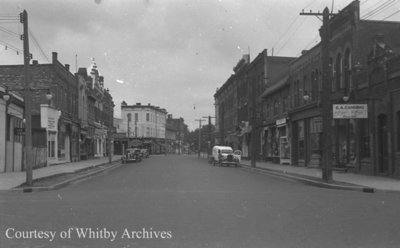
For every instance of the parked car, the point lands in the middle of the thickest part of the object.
(131, 155)
(224, 155)
(145, 153)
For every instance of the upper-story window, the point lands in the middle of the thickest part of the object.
(347, 70)
(136, 117)
(276, 107)
(339, 72)
(147, 116)
(333, 74)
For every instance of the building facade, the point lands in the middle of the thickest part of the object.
(144, 126)
(56, 139)
(175, 130)
(11, 141)
(96, 112)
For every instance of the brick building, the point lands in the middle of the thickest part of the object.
(56, 136)
(96, 112)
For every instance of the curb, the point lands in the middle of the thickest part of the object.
(113, 165)
(300, 178)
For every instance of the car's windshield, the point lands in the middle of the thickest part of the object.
(226, 151)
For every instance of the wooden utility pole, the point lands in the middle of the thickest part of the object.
(27, 100)
(200, 121)
(326, 106)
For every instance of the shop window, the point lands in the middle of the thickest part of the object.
(301, 144)
(364, 135)
(51, 144)
(18, 124)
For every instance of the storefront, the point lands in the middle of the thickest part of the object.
(282, 133)
(50, 121)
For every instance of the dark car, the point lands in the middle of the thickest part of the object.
(131, 155)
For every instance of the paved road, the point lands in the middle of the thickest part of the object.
(181, 201)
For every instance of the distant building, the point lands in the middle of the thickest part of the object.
(144, 126)
(175, 134)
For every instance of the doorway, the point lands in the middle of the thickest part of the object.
(383, 154)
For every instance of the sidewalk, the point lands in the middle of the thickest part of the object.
(11, 180)
(373, 182)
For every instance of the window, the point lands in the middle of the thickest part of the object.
(276, 107)
(51, 144)
(136, 117)
(333, 74)
(339, 71)
(147, 116)
(347, 73)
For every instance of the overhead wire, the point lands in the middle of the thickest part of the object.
(379, 9)
(36, 43)
(387, 17)
(289, 27)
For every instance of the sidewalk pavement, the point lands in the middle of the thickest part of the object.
(11, 180)
(374, 183)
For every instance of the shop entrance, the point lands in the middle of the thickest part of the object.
(382, 144)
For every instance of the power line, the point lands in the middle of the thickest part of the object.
(290, 26)
(289, 38)
(379, 9)
(391, 15)
(9, 31)
(36, 43)
(9, 46)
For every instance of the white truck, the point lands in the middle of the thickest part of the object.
(224, 155)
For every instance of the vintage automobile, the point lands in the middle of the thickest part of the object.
(224, 155)
(131, 155)
(145, 153)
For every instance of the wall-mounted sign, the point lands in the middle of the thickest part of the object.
(280, 122)
(350, 111)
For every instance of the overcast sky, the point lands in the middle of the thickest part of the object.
(170, 53)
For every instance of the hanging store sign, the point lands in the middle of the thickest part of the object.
(350, 111)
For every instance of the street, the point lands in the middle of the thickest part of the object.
(182, 201)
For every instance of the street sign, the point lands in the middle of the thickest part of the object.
(350, 111)
(19, 131)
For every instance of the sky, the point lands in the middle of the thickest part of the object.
(169, 53)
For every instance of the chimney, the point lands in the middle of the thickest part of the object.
(138, 103)
(35, 62)
(67, 67)
(54, 57)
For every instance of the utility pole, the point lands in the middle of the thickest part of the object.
(209, 134)
(27, 100)
(200, 121)
(326, 106)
